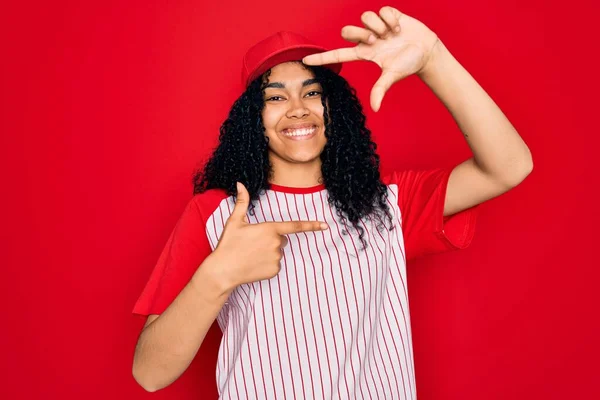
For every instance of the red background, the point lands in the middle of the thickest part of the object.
(107, 108)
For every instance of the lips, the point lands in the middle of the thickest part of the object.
(304, 132)
(300, 126)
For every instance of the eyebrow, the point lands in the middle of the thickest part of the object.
(279, 85)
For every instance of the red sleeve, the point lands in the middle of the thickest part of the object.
(186, 249)
(421, 197)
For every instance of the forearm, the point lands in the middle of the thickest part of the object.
(497, 148)
(168, 345)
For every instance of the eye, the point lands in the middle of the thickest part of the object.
(314, 91)
(273, 98)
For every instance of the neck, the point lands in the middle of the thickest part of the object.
(296, 174)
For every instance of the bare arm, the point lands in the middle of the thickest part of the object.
(401, 45)
(245, 253)
(501, 159)
(169, 342)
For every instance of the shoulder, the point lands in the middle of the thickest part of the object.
(417, 191)
(409, 177)
(206, 203)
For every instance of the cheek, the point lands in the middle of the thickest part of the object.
(317, 109)
(270, 117)
(270, 120)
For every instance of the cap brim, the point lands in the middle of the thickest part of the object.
(292, 53)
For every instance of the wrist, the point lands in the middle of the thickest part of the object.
(213, 278)
(438, 57)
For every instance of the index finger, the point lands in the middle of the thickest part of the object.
(332, 57)
(287, 227)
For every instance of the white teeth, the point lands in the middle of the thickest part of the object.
(299, 132)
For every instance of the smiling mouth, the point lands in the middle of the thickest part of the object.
(300, 134)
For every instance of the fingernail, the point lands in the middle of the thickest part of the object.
(324, 226)
(238, 187)
(397, 29)
(371, 39)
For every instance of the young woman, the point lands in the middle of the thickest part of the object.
(293, 241)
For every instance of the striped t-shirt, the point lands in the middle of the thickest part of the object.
(334, 323)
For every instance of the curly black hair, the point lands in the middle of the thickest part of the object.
(350, 164)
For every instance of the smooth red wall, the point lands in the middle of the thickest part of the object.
(107, 108)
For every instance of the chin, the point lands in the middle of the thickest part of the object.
(296, 159)
(306, 155)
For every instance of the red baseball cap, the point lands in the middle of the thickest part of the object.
(278, 48)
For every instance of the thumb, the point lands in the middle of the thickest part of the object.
(383, 84)
(241, 204)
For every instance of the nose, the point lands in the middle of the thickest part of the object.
(297, 109)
